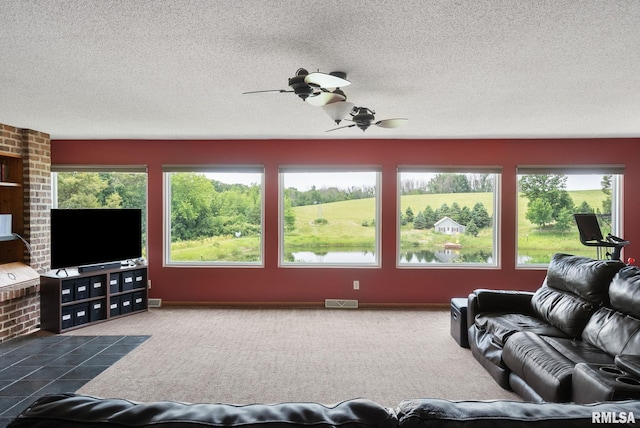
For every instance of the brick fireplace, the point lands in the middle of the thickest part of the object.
(20, 303)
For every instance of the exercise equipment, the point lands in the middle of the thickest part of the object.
(591, 236)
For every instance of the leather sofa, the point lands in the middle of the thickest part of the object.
(575, 339)
(75, 411)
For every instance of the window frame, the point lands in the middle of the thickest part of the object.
(617, 196)
(167, 170)
(376, 169)
(496, 204)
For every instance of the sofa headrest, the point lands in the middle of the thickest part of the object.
(624, 292)
(582, 276)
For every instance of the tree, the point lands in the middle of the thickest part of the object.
(420, 222)
(443, 211)
(550, 188)
(472, 229)
(481, 182)
(192, 198)
(564, 220)
(465, 215)
(539, 212)
(584, 208)
(80, 190)
(409, 215)
(455, 212)
(449, 183)
(289, 216)
(429, 217)
(480, 216)
(606, 189)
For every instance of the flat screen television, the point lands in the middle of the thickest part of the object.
(90, 237)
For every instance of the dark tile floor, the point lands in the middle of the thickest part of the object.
(32, 366)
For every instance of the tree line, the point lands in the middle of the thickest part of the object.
(327, 195)
(474, 219)
(449, 183)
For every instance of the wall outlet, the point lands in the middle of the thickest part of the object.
(356, 285)
(149, 283)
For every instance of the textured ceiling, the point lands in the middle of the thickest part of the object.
(177, 69)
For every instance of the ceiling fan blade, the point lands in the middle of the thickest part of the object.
(267, 90)
(324, 80)
(340, 127)
(324, 98)
(391, 123)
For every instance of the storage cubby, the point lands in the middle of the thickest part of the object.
(70, 300)
(12, 202)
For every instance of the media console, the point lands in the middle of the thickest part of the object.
(82, 298)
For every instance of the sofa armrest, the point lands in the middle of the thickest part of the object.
(485, 300)
(74, 411)
(628, 363)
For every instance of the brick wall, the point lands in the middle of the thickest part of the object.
(36, 156)
(20, 304)
(19, 310)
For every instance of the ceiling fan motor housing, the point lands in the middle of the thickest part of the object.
(300, 87)
(363, 117)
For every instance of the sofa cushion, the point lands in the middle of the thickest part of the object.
(582, 276)
(613, 332)
(437, 413)
(624, 291)
(540, 365)
(579, 351)
(562, 310)
(488, 352)
(502, 325)
(71, 410)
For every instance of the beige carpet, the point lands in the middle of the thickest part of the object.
(247, 356)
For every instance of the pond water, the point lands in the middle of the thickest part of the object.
(408, 258)
(333, 257)
(416, 257)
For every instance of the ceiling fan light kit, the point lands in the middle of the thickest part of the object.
(323, 90)
(338, 110)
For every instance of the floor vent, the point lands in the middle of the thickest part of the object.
(341, 304)
(155, 303)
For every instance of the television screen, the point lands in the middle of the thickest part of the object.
(82, 237)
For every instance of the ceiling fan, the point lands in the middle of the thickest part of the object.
(315, 87)
(363, 117)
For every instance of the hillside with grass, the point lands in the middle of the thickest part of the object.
(351, 225)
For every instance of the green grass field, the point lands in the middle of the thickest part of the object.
(344, 229)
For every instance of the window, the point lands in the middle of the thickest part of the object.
(447, 217)
(101, 187)
(213, 215)
(329, 217)
(547, 200)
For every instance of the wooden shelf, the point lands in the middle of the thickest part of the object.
(12, 202)
(80, 299)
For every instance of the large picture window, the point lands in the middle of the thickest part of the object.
(101, 187)
(447, 217)
(548, 198)
(329, 217)
(213, 215)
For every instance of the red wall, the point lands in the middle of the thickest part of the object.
(385, 285)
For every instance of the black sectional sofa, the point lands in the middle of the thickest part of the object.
(575, 339)
(571, 350)
(78, 411)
